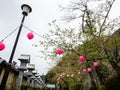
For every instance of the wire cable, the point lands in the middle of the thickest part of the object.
(10, 34)
(32, 31)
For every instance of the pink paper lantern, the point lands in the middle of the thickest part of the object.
(79, 73)
(82, 58)
(59, 51)
(84, 70)
(89, 69)
(30, 35)
(2, 46)
(95, 64)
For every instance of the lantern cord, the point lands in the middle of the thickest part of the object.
(16, 29)
(10, 34)
(32, 31)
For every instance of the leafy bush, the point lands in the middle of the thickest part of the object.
(78, 87)
(36, 88)
(102, 87)
(93, 88)
(113, 83)
(24, 87)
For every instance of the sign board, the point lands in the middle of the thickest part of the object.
(50, 85)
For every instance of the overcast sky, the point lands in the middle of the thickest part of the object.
(43, 12)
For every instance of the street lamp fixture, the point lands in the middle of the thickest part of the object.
(26, 10)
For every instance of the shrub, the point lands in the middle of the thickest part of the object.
(78, 87)
(36, 88)
(93, 88)
(102, 87)
(24, 87)
(113, 83)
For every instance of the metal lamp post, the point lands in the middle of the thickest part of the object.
(26, 9)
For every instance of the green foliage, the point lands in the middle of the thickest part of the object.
(27, 87)
(94, 44)
(24, 86)
(78, 87)
(50, 89)
(70, 82)
(93, 88)
(36, 88)
(113, 83)
(102, 87)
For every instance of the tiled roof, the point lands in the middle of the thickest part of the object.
(2, 61)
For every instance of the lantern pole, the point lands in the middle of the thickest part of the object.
(26, 9)
(16, 41)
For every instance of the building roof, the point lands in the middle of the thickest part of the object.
(3, 63)
(2, 60)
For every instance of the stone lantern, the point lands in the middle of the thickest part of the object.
(33, 78)
(30, 68)
(24, 59)
(37, 80)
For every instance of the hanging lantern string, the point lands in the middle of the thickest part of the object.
(32, 31)
(16, 29)
(10, 34)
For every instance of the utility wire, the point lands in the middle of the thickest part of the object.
(10, 34)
